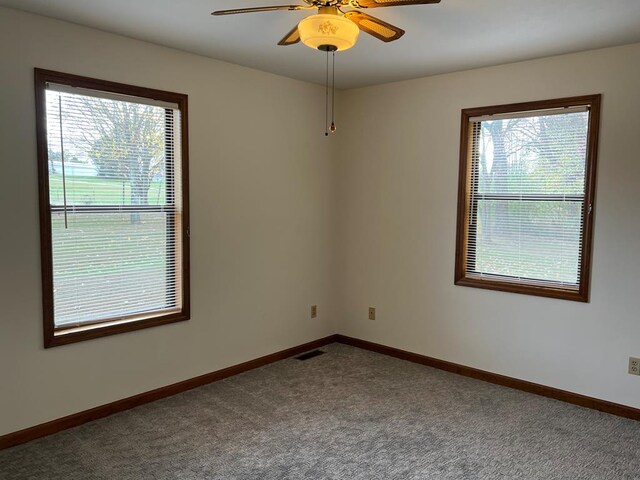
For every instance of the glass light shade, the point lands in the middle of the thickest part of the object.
(333, 30)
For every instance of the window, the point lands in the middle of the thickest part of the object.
(112, 165)
(526, 197)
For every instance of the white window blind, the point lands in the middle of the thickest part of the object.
(114, 164)
(527, 197)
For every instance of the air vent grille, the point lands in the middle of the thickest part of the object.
(308, 355)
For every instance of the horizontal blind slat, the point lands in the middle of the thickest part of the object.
(118, 255)
(527, 197)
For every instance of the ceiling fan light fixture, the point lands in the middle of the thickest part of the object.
(328, 32)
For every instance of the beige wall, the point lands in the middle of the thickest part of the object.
(262, 220)
(398, 184)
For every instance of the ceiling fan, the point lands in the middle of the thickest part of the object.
(332, 28)
(335, 27)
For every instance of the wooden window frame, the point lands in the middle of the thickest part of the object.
(593, 102)
(52, 337)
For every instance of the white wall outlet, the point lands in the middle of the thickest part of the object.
(634, 366)
(314, 311)
(372, 313)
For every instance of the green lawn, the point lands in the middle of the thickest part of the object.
(112, 262)
(523, 258)
(105, 243)
(530, 239)
(99, 191)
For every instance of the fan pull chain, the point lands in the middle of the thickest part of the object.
(332, 129)
(326, 98)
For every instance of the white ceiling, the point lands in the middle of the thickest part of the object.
(450, 36)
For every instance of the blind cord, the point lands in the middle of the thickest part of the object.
(64, 178)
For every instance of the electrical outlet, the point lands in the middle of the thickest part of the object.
(314, 311)
(372, 313)
(634, 366)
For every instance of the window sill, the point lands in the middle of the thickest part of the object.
(97, 330)
(527, 289)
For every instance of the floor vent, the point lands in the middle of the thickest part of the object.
(308, 355)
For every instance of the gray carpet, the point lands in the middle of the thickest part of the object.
(347, 414)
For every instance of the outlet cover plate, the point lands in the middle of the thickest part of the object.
(372, 313)
(314, 311)
(634, 366)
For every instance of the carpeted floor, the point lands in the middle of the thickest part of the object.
(348, 414)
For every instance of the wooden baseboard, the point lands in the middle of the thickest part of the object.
(530, 387)
(44, 429)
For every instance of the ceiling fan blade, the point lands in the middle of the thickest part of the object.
(392, 3)
(290, 38)
(374, 26)
(233, 11)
